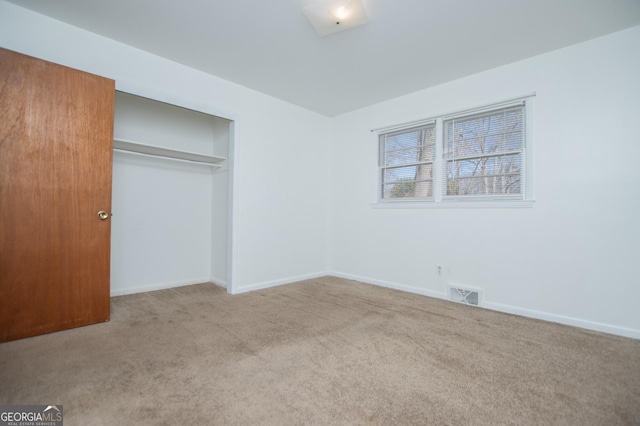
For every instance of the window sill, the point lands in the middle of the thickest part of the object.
(513, 204)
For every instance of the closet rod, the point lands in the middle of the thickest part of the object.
(143, 154)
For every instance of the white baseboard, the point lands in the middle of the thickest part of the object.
(545, 316)
(388, 284)
(218, 282)
(561, 319)
(159, 286)
(274, 283)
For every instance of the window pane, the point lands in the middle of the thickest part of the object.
(413, 181)
(485, 175)
(408, 189)
(487, 133)
(399, 174)
(409, 146)
(484, 153)
(491, 185)
(410, 138)
(410, 173)
(410, 155)
(407, 162)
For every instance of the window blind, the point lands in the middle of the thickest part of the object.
(406, 162)
(484, 154)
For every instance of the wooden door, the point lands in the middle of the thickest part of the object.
(56, 137)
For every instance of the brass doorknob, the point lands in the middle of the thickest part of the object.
(102, 215)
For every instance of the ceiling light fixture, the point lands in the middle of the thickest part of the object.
(332, 16)
(340, 10)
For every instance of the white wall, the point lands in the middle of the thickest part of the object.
(573, 257)
(161, 224)
(281, 151)
(219, 208)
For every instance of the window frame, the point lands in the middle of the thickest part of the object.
(439, 200)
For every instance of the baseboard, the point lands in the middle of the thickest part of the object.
(159, 286)
(560, 319)
(218, 282)
(529, 313)
(388, 284)
(274, 283)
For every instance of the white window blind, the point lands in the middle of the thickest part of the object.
(484, 154)
(407, 162)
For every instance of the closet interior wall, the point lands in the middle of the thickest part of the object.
(170, 216)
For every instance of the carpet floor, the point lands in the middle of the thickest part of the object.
(323, 351)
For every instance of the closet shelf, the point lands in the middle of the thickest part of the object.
(135, 147)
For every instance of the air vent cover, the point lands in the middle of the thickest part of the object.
(464, 295)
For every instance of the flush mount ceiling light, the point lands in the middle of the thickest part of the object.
(332, 16)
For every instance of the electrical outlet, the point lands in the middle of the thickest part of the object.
(438, 269)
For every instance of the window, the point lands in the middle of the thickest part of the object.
(476, 155)
(406, 159)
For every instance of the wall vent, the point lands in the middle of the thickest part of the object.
(467, 296)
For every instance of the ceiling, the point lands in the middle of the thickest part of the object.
(408, 45)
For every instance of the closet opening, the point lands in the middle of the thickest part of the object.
(171, 196)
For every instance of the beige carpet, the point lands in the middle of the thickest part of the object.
(324, 351)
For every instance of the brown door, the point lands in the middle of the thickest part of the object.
(56, 138)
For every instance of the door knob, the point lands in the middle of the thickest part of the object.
(102, 215)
